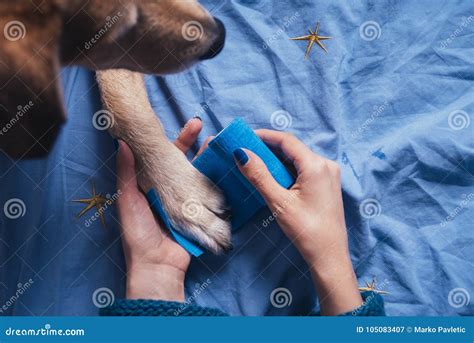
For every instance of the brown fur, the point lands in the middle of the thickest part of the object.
(143, 36)
(140, 35)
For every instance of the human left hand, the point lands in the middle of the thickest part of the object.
(156, 264)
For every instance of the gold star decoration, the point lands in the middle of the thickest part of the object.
(96, 201)
(371, 287)
(312, 38)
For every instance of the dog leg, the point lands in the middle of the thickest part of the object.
(193, 203)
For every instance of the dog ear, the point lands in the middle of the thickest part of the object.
(31, 108)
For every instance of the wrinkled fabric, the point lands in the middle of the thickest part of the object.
(392, 103)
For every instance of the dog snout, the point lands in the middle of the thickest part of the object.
(218, 44)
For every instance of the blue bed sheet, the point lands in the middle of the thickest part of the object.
(392, 102)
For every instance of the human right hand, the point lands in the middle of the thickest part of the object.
(311, 214)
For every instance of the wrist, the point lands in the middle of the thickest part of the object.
(336, 286)
(155, 282)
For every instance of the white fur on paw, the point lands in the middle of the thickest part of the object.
(208, 225)
(202, 214)
(195, 206)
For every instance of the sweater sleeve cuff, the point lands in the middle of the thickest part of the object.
(372, 305)
(142, 307)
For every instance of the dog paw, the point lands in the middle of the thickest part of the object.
(195, 206)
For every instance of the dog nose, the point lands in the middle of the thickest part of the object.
(218, 44)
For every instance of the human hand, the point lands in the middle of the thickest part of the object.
(311, 214)
(156, 264)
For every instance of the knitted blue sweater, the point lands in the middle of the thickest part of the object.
(372, 306)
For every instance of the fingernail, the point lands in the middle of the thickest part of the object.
(116, 144)
(197, 117)
(241, 156)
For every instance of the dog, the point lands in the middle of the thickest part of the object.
(120, 40)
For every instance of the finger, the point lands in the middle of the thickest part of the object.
(132, 205)
(189, 134)
(204, 146)
(293, 149)
(126, 177)
(256, 172)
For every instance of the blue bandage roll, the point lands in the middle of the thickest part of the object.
(157, 206)
(218, 164)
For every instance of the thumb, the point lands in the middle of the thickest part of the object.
(126, 177)
(256, 172)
